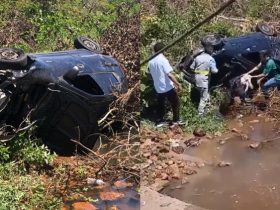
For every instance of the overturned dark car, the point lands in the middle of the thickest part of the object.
(64, 93)
(236, 55)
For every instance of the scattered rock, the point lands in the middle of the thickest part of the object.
(159, 167)
(113, 208)
(170, 162)
(218, 133)
(189, 171)
(159, 184)
(175, 171)
(185, 180)
(147, 155)
(224, 164)
(199, 132)
(200, 164)
(222, 142)
(163, 149)
(178, 149)
(122, 184)
(235, 130)
(193, 142)
(255, 145)
(83, 206)
(254, 121)
(244, 136)
(93, 181)
(164, 176)
(111, 196)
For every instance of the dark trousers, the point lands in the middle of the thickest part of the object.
(173, 99)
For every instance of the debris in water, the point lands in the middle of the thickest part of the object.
(224, 164)
(222, 142)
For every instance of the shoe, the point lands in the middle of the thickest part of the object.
(179, 122)
(161, 124)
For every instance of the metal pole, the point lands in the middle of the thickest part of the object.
(222, 8)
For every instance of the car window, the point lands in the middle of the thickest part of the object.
(252, 57)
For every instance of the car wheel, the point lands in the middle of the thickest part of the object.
(12, 58)
(86, 43)
(265, 29)
(214, 40)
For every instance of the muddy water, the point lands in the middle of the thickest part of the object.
(252, 182)
(131, 200)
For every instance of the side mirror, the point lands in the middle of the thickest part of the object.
(72, 74)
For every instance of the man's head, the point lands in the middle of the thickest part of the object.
(208, 49)
(157, 47)
(264, 55)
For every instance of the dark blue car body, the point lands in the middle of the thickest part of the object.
(238, 55)
(66, 94)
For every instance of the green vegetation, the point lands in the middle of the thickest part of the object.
(166, 20)
(20, 185)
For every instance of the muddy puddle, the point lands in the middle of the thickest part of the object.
(251, 182)
(130, 200)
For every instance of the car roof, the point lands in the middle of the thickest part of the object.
(253, 42)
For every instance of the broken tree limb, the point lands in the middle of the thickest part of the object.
(207, 19)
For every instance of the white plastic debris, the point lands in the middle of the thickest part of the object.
(93, 181)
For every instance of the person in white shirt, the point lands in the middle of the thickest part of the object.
(165, 85)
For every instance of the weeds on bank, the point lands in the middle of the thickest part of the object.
(19, 156)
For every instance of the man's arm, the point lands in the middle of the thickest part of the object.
(255, 68)
(173, 79)
(213, 67)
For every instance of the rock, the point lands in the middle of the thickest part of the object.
(122, 184)
(199, 132)
(83, 206)
(189, 171)
(193, 142)
(159, 167)
(159, 184)
(175, 171)
(147, 155)
(155, 139)
(111, 196)
(254, 121)
(178, 149)
(163, 149)
(235, 130)
(223, 164)
(164, 176)
(222, 142)
(200, 164)
(255, 145)
(93, 181)
(218, 133)
(113, 208)
(244, 136)
(170, 162)
(185, 180)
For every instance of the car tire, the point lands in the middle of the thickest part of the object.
(214, 40)
(12, 58)
(87, 43)
(265, 29)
